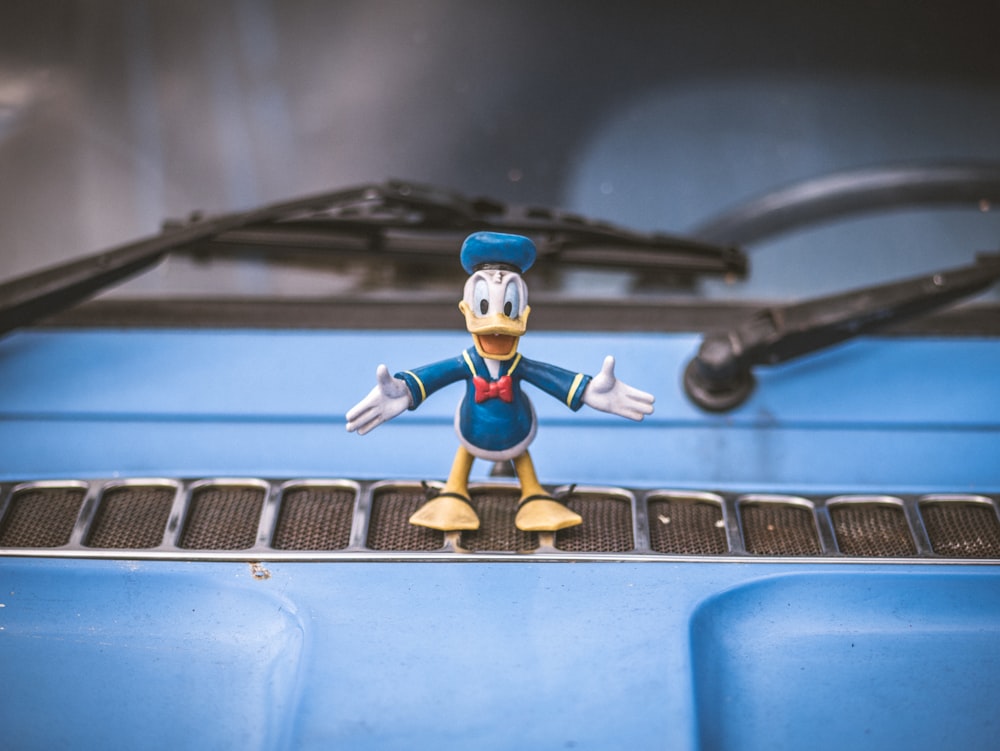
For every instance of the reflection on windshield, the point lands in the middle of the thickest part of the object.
(724, 142)
(116, 116)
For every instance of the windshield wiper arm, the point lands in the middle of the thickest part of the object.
(392, 221)
(721, 378)
(843, 194)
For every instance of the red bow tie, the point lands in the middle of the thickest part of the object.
(501, 388)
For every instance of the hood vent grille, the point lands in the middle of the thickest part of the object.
(315, 518)
(687, 525)
(131, 518)
(872, 530)
(962, 530)
(222, 517)
(254, 519)
(42, 517)
(777, 527)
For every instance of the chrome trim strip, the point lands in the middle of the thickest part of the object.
(824, 526)
(175, 522)
(750, 499)
(446, 555)
(956, 498)
(50, 484)
(362, 516)
(6, 493)
(268, 519)
(918, 529)
(85, 517)
(640, 521)
(734, 526)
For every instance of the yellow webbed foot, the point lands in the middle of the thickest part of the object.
(545, 514)
(446, 512)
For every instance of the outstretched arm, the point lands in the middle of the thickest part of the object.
(607, 394)
(389, 398)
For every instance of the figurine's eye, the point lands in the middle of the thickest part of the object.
(481, 297)
(512, 300)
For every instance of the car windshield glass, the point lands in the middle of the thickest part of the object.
(687, 119)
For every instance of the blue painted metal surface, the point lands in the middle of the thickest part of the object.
(920, 415)
(870, 660)
(121, 655)
(603, 655)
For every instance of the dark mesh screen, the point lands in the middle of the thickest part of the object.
(389, 527)
(41, 517)
(606, 528)
(686, 527)
(222, 518)
(131, 517)
(962, 530)
(779, 529)
(315, 518)
(872, 530)
(497, 508)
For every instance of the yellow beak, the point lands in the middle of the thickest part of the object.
(495, 336)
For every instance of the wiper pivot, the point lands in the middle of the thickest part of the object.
(721, 378)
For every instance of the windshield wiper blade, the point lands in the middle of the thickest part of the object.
(720, 377)
(29, 298)
(384, 221)
(399, 221)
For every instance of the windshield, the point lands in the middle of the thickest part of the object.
(116, 116)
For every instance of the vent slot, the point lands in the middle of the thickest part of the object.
(606, 528)
(390, 528)
(222, 517)
(962, 529)
(315, 518)
(131, 517)
(497, 508)
(779, 529)
(41, 517)
(872, 530)
(687, 525)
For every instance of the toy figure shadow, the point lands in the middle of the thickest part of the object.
(495, 419)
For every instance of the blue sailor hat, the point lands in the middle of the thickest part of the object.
(495, 249)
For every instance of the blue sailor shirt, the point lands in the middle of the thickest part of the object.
(495, 426)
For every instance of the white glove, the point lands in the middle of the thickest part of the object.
(389, 398)
(607, 394)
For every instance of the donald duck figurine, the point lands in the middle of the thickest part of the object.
(495, 420)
